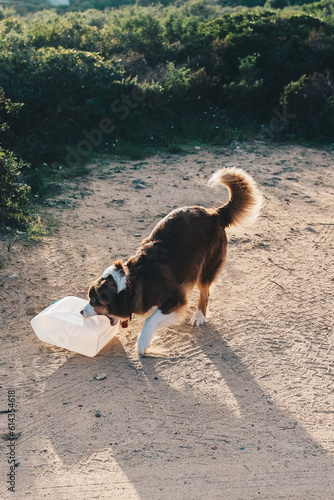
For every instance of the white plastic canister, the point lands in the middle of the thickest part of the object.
(61, 324)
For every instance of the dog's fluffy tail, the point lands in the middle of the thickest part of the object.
(245, 199)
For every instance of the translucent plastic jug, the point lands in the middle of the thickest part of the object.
(61, 324)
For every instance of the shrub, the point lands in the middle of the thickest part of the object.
(8, 115)
(311, 99)
(177, 78)
(14, 192)
(63, 92)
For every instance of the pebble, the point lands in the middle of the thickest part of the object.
(12, 277)
(139, 184)
(100, 376)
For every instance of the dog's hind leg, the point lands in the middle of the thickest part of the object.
(198, 317)
(209, 272)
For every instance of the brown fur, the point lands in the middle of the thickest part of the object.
(186, 248)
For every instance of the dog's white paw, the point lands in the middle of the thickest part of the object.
(143, 343)
(141, 347)
(198, 319)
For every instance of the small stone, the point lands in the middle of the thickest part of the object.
(139, 184)
(100, 376)
(22, 298)
(97, 414)
(12, 277)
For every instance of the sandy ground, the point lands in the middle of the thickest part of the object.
(241, 408)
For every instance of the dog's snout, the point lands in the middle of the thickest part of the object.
(88, 311)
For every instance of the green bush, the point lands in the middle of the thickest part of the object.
(63, 91)
(14, 192)
(311, 100)
(323, 9)
(8, 116)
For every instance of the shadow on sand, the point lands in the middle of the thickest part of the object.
(154, 414)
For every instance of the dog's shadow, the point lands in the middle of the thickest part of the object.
(155, 408)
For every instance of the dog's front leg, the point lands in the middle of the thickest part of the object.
(156, 321)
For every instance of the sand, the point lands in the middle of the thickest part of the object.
(241, 408)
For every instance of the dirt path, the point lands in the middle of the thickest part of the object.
(241, 408)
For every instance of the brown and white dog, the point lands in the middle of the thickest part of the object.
(186, 248)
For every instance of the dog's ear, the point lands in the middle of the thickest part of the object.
(118, 265)
(106, 289)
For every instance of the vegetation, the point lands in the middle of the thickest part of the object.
(14, 193)
(74, 83)
(27, 6)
